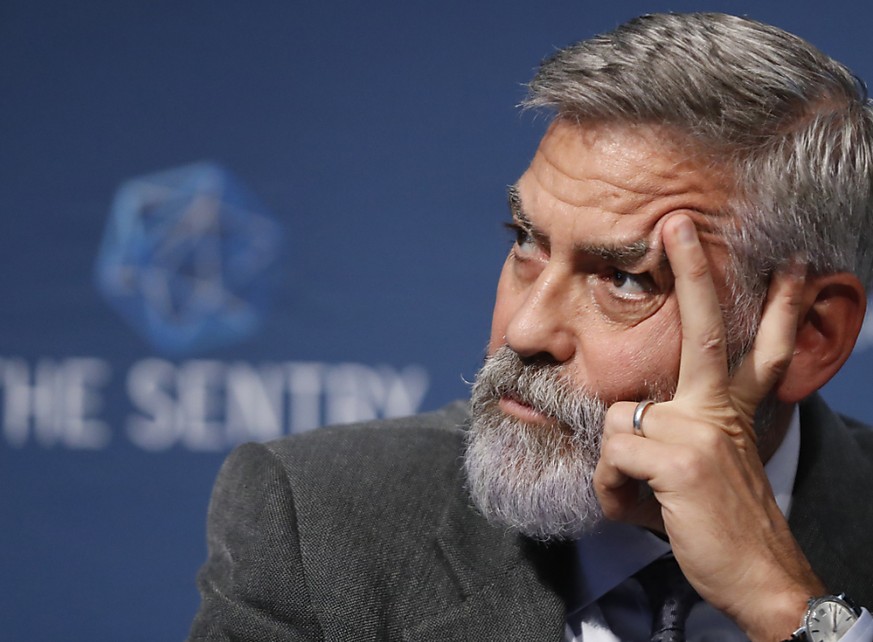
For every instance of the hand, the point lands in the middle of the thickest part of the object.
(710, 494)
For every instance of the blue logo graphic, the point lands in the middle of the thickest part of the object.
(188, 258)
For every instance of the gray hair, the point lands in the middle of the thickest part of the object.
(791, 125)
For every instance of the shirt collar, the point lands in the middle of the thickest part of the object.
(616, 551)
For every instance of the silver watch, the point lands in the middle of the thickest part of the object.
(827, 619)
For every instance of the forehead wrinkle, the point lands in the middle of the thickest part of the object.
(622, 199)
(619, 253)
(606, 174)
(671, 191)
(647, 169)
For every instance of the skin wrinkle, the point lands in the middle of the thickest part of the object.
(533, 474)
(579, 230)
(629, 257)
(689, 196)
(625, 254)
(548, 176)
(659, 176)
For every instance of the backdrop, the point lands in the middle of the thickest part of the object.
(226, 221)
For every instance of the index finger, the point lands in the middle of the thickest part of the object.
(703, 361)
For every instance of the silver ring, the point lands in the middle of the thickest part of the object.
(638, 416)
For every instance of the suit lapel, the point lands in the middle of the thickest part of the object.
(511, 587)
(506, 582)
(829, 516)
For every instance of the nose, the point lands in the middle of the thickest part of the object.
(540, 327)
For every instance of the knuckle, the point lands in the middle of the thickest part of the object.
(711, 440)
(617, 416)
(713, 343)
(777, 363)
(698, 270)
(613, 448)
(691, 465)
(613, 411)
(712, 339)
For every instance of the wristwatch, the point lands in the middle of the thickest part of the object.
(827, 619)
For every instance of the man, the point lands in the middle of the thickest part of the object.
(691, 259)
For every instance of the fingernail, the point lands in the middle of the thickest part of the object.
(795, 268)
(685, 231)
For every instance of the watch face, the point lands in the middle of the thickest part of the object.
(828, 620)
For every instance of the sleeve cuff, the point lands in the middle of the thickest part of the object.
(862, 630)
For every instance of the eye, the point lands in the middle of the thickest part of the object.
(629, 284)
(525, 243)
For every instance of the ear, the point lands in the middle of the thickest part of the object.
(832, 311)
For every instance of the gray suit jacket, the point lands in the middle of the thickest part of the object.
(366, 533)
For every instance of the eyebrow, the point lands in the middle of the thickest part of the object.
(619, 254)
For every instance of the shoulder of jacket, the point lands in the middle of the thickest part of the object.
(389, 437)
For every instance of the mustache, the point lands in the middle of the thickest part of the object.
(542, 385)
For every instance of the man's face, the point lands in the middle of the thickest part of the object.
(587, 285)
(585, 301)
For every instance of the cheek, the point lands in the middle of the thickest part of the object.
(626, 366)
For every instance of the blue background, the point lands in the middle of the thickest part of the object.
(381, 135)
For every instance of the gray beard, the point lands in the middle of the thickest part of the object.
(536, 479)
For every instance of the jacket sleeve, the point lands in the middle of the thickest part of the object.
(253, 584)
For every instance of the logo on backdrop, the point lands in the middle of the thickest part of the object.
(188, 258)
(196, 404)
